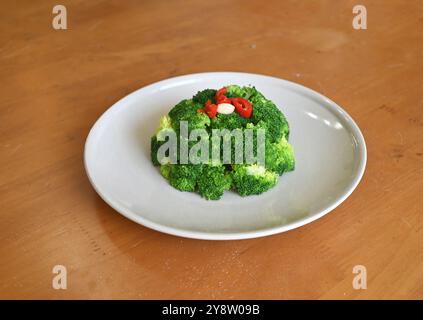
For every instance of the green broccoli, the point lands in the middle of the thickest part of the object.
(164, 127)
(253, 179)
(182, 176)
(280, 156)
(155, 145)
(202, 96)
(186, 110)
(273, 119)
(213, 182)
(165, 124)
(212, 179)
(228, 121)
(263, 110)
(256, 127)
(248, 93)
(165, 170)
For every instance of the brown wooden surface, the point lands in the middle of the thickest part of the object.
(56, 83)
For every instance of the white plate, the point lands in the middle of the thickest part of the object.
(329, 149)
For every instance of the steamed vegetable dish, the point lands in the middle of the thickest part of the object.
(245, 120)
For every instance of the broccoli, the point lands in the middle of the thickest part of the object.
(212, 179)
(256, 127)
(186, 110)
(165, 126)
(202, 96)
(182, 176)
(263, 110)
(213, 182)
(155, 145)
(165, 170)
(228, 121)
(253, 179)
(243, 92)
(280, 156)
(275, 122)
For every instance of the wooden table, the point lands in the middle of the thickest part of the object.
(56, 83)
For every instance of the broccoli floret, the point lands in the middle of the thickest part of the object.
(263, 110)
(243, 92)
(213, 182)
(273, 119)
(164, 127)
(165, 170)
(182, 176)
(280, 156)
(255, 127)
(186, 110)
(202, 96)
(233, 136)
(234, 91)
(155, 145)
(253, 179)
(165, 124)
(228, 121)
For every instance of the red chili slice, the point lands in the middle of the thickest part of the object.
(206, 105)
(220, 96)
(243, 107)
(211, 111)
(223, 99)
(221, 92)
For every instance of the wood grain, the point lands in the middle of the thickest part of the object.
(56, 83)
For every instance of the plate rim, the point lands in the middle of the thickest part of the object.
(202, 235)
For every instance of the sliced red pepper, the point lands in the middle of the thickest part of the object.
(221, 92)
(243, 107)
(203, 110)
(223, 99)
(211, 111)
(220, 96)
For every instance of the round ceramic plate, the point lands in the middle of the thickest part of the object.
(329, 149)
